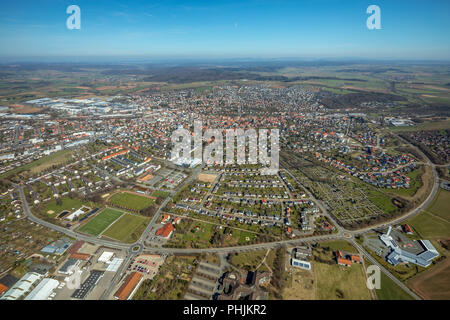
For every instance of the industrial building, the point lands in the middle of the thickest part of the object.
(43, 290)
(22, 286)
(88, 285)
(301, 264)
(398, 255)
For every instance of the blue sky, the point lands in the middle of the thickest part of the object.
(226, 29)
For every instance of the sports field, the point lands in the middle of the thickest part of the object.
(131, 201)
(100, 222)
(128, 228)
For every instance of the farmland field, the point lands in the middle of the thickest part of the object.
(441, 205)
(100, 222)
(389, 290)
(338, 282)
(433, 284)
(433, 222)
(128, 228)
(131, 201)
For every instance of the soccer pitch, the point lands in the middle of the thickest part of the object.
(99, 223)
(131, 201)
(128, 228)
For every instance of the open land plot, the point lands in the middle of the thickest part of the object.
(339, 245)
(206, 177)
(128, 228)
(429, 125)
(389, 290)
(191, 233)
(441, 205)
(338, 282)
(433, 284)
(52, 208)
(430, 226)
(247, 260)
(433, 222)
(131, 200)
(171, 282)
(300, 286)
(159, 193)
(41, 164)
(100, 222)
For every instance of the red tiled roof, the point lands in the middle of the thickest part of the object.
(80, 256)
(166, 230)
(344, 261)
(127, 287)
(3, 288)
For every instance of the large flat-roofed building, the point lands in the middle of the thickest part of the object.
(88, 285)
(69, 266)
(301, 264)
(398, 255)
(43, 290)
(22, 286)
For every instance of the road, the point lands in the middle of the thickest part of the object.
(341, 234)
(68, 232)
(386, 272)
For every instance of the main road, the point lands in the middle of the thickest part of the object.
(342, 233)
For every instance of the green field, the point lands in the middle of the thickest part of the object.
(336, 282)
(389, 290)
(381, 200)
(128, 228)
(431, 125)
(339, 245)
(66, 204)
(434, 221)
(441, 205)
(159, 193)
(41, 164)
(100, 222)
(131, 201)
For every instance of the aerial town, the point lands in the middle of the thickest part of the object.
(224, 156)
(89, 188)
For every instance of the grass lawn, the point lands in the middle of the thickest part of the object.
(41, 164)
(429, 226)
(195, 234)
(159, 193)
(390, 290)
(339, 245)
(336, 282)
(100, 222)
(247, 260)
(128, 228)
(441, 205)
(433, 222)
(66, 204)
(381, 201)
(429, 125)
(131, 201)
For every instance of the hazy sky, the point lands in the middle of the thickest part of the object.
(306, 29)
